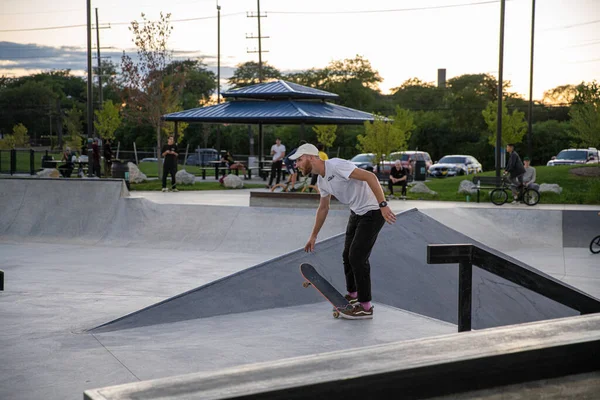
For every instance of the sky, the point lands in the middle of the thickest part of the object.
(401, 38)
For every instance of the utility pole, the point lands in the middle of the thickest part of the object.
(90, 107)
(500, 83)
(99, 62)
(260, 74)
(218, 72)
(530, 122)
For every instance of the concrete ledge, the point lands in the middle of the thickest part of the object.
(291, 200)
(413, 369)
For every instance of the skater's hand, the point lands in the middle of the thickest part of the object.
(388, 214)
(310, 245)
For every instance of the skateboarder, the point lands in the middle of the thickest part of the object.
(361, 190)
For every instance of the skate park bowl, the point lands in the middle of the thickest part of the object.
(194, 301)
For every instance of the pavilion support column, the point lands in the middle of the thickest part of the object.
(261, 144)
(176, 131)
(251, 140)
(302, 127)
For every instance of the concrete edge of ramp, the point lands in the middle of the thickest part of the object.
(455, 363)
(400, 274)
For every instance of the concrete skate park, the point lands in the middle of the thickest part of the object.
(128, 295)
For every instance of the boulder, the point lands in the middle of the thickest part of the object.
(420, 187)
(49, 173)
(467, 187)
(135, 175)
(550, 188)
(185, 178)
(233, 181)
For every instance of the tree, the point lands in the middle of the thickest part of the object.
(325, 134)
(382, 137)
(247, 74)
(415, 94)
(147, 96)
(108, 120)
(19, 138)
(560, 95)
(73, 123)
(514, 125)
(585, 115)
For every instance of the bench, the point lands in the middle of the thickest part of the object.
(487, 183)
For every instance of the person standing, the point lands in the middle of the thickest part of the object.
(515, 170)
(397, 177)
(96, 158)
(169, 152)
(278, 152)
(107, 157)
(529, 175)
(369, 211)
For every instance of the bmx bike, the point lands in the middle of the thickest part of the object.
(302, 185)
(526, 195)
(595, 244)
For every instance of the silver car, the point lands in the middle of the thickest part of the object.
(454, 165)
(575, 156)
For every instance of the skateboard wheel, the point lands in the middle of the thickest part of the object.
(336, 314)
(305, 284)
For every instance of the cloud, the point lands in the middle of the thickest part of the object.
(18, 59)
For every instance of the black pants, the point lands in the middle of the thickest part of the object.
(401, 183)
(169, 169)
(275, 170)
(96, 168)
(66, 170)
(361, 234)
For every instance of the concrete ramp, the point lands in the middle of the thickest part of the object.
(400, 275)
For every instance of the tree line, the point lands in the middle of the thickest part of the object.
(458, 118)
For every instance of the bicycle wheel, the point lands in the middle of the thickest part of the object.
(498, 196)
(531, 197)
(595, 245)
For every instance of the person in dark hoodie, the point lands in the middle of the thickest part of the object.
(515, 170)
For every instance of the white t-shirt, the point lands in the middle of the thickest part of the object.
(279, 150)
(337, 182)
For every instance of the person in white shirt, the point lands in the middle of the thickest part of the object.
(278, 152)
(360, 189)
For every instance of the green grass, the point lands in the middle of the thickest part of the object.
(157, 185)
(576, 189)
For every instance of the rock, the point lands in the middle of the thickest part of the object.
(233, 181)
(135, 175)
(420, 187)
(467, 187)
(184, 177)
(49, 173)
(550, 188)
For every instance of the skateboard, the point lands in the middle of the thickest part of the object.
(313, 278)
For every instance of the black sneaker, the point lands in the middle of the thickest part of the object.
(357, 312)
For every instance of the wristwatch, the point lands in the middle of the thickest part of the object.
(383, 204)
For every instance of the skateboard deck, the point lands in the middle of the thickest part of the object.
(312, 277)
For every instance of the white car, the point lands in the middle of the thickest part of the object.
(575, 156)
(454, 165)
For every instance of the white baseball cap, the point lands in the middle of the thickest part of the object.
(306, 148)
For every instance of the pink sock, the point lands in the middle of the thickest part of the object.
(353, 294)
(366, 306)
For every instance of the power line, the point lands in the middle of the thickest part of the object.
(572, 25)
(389, 10)
(113, 23)
(43, 12)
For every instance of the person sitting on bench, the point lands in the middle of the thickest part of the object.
(397, 177)
(66, 169)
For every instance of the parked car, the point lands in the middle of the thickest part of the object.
(575, 156)
(203, 157)
(364, 160)
(454, 165)
(407, 158)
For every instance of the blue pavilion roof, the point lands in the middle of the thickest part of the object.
(273, 112)
(279, 90)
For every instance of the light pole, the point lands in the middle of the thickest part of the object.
(500, 70)
(530, 122)
(218, 71)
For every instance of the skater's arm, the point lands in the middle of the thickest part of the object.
(322, 212)
(373, 182)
